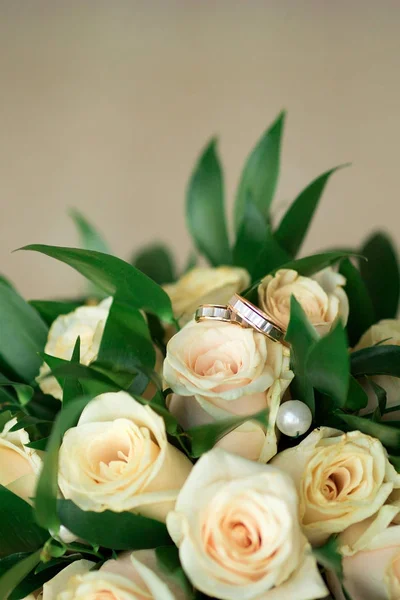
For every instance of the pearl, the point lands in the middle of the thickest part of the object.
(294, 418)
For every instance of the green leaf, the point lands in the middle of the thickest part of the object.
(14, 575)
(256, 249)
(24, 392)
(23, 334)
(261, 171)
(90, 238)
(205, 211)
(156, 262)
(328, 365)
(381, 275)
(302, 337)
(18, 530)
(376, 360)
(295, 223)
(356, 396)
(329, 556)
(72, 388)
(204, 437)
(360, 319)
(114, 275)
(380, 394)
(39, 444)
(119, 531)
(388, 435)
(47, 487)
(395, 460)
(49, 310)
(93, 381)
(126, 345)
(168, 562)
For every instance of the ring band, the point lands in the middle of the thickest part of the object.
(213, 312)
(255, 317)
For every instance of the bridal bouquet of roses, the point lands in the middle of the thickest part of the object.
(229, 432)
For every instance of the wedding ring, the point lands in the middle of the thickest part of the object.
(213, 312)
(255, 317)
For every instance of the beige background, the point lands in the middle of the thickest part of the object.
(105, 106)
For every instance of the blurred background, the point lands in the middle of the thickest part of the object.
(105, 106)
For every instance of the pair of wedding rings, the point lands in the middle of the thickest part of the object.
(241, 311)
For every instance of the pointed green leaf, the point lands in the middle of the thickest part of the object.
(381, 275)
(113, 275)
(49, 310)
(328, 365)
(356, 396)
(260, 174)
(23, 335)
(156, 262)
(302, 337)
(294, 225)
(119, 531)
(14, 575)
(388, 435)
(72, 388)
(205, 210)
(376, 360)
(89, 237)
(360, 319)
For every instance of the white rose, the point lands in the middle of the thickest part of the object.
(229, 370)
(118, 458)
(19, 465)
(86, 322)
(235, 523)
(341, 478)
(371, 565)
(205, 285)
(384, 332)
(321, 296)
(133, 576)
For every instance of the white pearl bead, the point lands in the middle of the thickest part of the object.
(294, 418)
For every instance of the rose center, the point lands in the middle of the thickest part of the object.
(240, 535)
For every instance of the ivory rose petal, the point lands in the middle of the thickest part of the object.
(321, 296)
(228, 370)
(118, 458)
(235, 523)
(133, 576)
(19, 465)
(341, 478)
(85, 322)
(205, 285)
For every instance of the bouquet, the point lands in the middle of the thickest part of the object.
(230, 431)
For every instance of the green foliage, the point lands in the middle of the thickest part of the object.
(113, 275)
(328, 365)
(387, 434)
(294, 225)
(381, 275)
(260, 174)
(328, 556)
(18, 530)
(23, 335)
(376, 360)
(49, 310)
(356, 397)
(168, 562)
(156, 262)
(361, 315)
(205, 211)
(89, 237)
(16, 573)
(119, 531)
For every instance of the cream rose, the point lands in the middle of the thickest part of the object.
(133, 576)
(19, 465)
(86, 322)
(118, 458)
(321, 296)
(236, 525)
(205, 285)
(384, 332)
(228, 370)
(341, 478)
(371, 563)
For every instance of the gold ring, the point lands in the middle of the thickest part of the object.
(213, 312)
(255, 317)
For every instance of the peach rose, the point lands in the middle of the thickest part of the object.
(341, 478)
(86, 322)
(321, 296)
(19, 465)
(205, 285)
(236, 525)
(133, 576)
(118, 458)
(222, 369)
